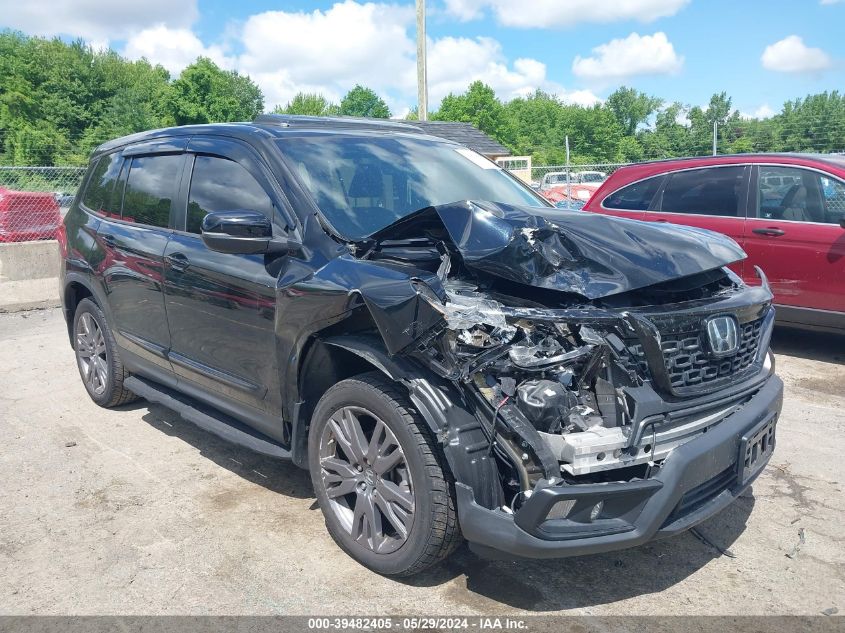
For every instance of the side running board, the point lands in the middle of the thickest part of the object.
(207, 419)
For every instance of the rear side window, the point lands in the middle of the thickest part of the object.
(219, 184)
(636, 197)
(711, 191)
(99, 194)
(150, 189)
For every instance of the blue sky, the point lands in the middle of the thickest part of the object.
(762, 52)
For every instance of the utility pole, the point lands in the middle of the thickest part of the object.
(422, 75)
(715, 135)
(568, 183)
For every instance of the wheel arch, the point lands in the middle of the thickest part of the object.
(76, 288)
(327, 360)
(441, 404)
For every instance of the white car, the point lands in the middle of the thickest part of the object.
(556, 179)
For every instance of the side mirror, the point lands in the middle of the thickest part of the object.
(842, 221)
(243, 232)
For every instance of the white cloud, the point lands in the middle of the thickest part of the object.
(791, 55)
(453, 63)
(564, 13)
(373, 44)
(763, 112)
(97, 21)
(173, 48)
(466, 10)
(331, 50)
(629, 57)
(579, 97)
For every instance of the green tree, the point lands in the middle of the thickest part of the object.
(630, 150)
(205, 93)
(479, 106)
(312, 104)
(632, 108)
(364, 102)
(670, 136)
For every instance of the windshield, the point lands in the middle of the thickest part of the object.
(363, 184)
(591, 177)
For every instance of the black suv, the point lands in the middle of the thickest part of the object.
(448, 355)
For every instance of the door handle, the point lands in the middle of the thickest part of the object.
(108, 239)
(177, 261)
(770, 232)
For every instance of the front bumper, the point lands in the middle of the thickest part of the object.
(697, 480)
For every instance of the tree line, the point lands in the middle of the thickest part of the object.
(59, 100)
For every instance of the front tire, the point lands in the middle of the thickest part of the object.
(379, 477)
(97, 358)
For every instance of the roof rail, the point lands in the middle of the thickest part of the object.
(299, 120)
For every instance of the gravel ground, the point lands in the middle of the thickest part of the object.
(135, 511)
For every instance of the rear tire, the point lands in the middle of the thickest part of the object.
(97, 358)
(379, 477)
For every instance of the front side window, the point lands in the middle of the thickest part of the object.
(100, 196)
(150, 189)
(710, 191)
(635, 197)
(219, 184)
(365, 183)
(799, 195)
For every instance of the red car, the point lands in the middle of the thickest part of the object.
(580, 193)
(787, 211)
(28, 215)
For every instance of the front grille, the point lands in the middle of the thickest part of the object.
(688, 361)
(697, 497)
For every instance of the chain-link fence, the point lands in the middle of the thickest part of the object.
(33, 200)
(568, 186)
(578, 174)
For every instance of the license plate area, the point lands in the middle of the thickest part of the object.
(755, 448)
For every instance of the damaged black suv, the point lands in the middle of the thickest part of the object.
(447, 354)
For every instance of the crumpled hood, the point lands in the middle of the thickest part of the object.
(589, 254)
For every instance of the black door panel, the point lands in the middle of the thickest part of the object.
(220, 310)
(221, 307)
(133, 275)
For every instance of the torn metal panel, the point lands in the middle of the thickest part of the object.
(583, 253)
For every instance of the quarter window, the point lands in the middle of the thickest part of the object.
(800, 195)
(150, 189)
(99, 194)
(636, 197)
(712, 191)
(219, 184)
(833, 192)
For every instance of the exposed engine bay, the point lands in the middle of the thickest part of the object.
(582, 388)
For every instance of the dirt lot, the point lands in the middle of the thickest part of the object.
(135, 511)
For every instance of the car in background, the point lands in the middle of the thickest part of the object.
(787, 211)
(594, 178)
(28, 215)
(557, 179)
(573, 193)
(553, 180)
